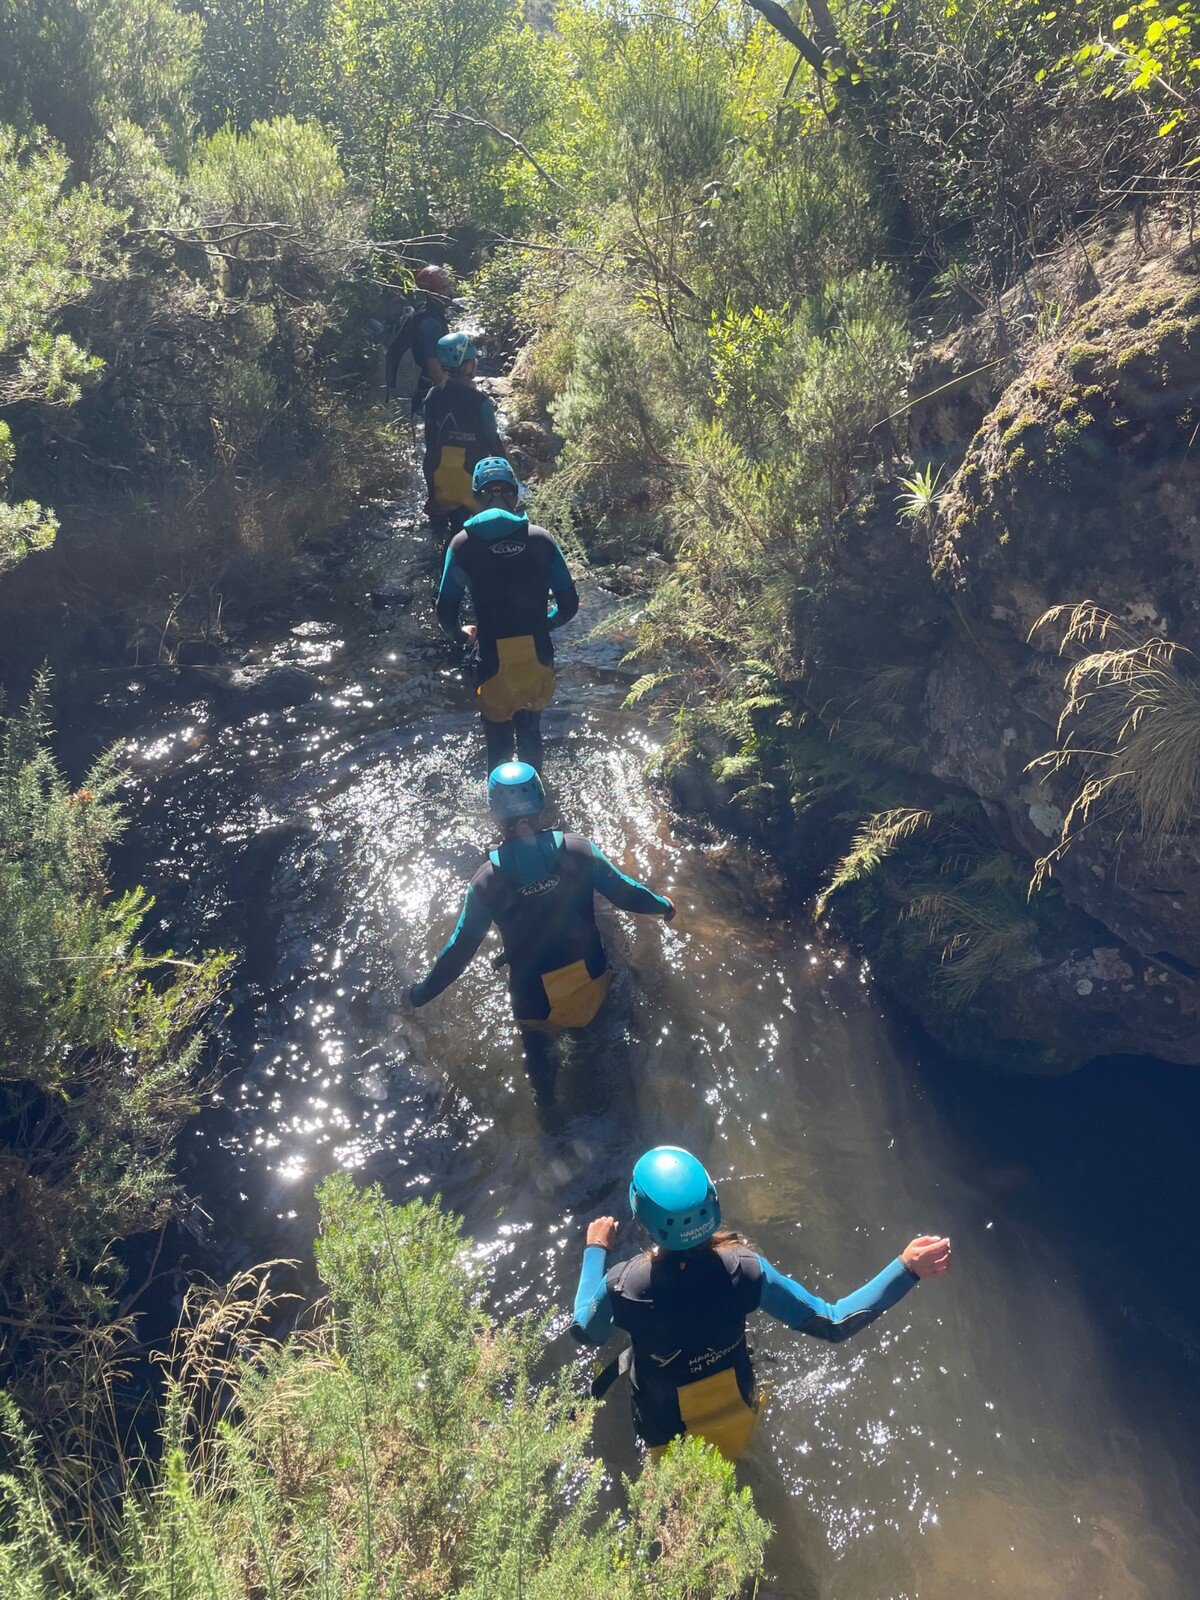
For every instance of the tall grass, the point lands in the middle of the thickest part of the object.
(1129, 733)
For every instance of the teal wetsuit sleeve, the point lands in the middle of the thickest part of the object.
(792, 1304)
(593, 1316)
(627, 894)
(450, 594)
(468, 935)
(562, 587)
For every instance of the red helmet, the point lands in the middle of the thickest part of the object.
(435, 280)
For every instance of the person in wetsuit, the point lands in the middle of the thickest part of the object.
(430, 325)
(460, 430)
(511, 568)
(684, 1305)
(538, 888)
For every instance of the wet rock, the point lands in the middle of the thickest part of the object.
(247, 691)
(391, 598)
(197, 652)
(1078, 481)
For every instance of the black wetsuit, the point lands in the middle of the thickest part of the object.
(460, 430)
(429, 325)
(685, 1314)
(511, 569)
(538, 890)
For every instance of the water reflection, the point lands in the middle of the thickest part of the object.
(979, 1441)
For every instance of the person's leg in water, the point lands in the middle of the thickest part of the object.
(541, 1065)
(501, 741)
(527, 726)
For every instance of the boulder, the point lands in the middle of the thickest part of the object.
(1077, 479)
(248, 691)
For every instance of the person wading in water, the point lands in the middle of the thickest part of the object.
(511, 569)
(539, 888)
(684, 1304)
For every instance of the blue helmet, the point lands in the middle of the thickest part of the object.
(674, 1198)
(456, 349)
(515, 790)
(493, 469)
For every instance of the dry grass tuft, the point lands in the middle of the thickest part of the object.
(1129, 733)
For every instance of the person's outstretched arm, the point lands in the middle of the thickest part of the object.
(627, 894)
(450, 594)
(796, 1307)
(592, 1320)
(468, 935)
(562, 587)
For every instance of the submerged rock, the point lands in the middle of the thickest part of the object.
(391, 598)
(247, 691)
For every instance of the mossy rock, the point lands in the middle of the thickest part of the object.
(1027, 433)
(1084, 361)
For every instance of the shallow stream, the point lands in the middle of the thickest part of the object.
(1021, 1429)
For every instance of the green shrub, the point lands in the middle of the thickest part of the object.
(409, 1446)
(99, 1048)
(285, 173)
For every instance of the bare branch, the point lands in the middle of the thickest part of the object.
(783, 23)
(468, 119)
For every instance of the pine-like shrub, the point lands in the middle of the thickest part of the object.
(410, 1446)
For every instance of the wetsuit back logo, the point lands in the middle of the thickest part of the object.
(542, 886)
(509, 548)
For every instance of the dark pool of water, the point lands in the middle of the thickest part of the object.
(1022, 1429)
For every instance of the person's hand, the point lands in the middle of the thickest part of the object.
(603, 1232)
(669, 914)
(928, 1256)
(469, 632)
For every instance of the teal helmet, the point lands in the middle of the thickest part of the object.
(493, 469)
(455, 350)
(515, 790)
(674, 1198)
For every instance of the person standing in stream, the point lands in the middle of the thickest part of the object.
(429, 325)
(511, 569)
(460, 430)
(539, 888)
(684, 1304)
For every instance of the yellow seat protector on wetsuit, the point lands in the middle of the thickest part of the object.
(452, 481)
(574, 997)
(713, 1409)
(521, 682)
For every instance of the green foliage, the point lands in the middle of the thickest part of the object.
(1156, 48)
(278, 192)
(409, 1446)
(951, 900)
(99, 1048)
(875, 840)
(258, 60)
(77, 67)
(51, 244)
(922, 496)
(410, 87)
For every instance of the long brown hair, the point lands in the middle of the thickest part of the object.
(723, 1239)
